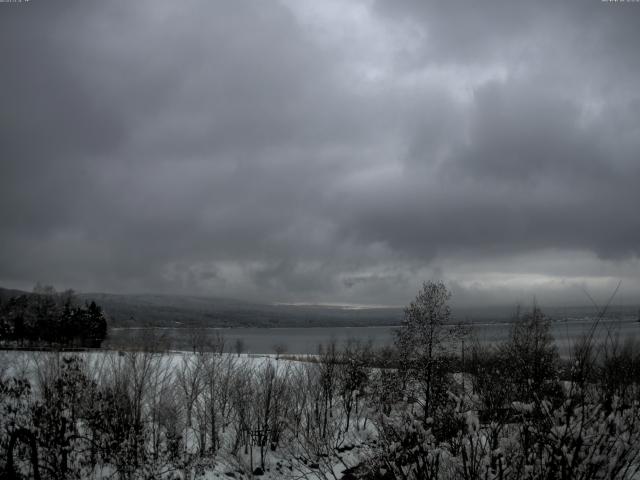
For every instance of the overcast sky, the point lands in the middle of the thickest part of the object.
(322, 151)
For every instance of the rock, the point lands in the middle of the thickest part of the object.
(346, 448)
(349, 474)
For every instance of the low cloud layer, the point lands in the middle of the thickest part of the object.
(304, 151)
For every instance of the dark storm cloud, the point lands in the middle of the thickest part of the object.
(529, 175)
(320, 152)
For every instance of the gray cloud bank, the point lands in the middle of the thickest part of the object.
(322, 151)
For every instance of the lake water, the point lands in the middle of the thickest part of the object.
(306, 340)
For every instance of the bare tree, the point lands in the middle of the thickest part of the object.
(353, 376)
(421, 341)
(242, 394)
(214, 404)
(328, 370)
(279, 349)
(532, 357)
(239, 346)
(190, 381)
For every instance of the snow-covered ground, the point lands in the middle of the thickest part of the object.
(288, 460)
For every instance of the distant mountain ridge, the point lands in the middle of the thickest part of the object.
(187, 311)
(137, 310)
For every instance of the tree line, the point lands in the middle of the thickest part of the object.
(50, 318)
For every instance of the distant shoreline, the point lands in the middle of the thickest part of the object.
(393, 325)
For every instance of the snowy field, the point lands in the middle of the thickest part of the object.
(186, 377)
(182, 415)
